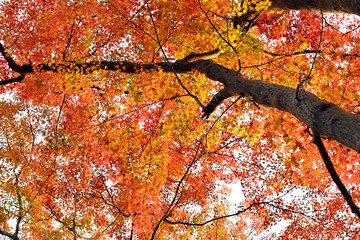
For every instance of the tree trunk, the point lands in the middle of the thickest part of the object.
(324, 118)
(344, 6)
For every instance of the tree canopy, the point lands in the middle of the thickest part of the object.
(136, 119)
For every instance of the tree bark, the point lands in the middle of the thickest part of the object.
(326, 119)
(344, 6)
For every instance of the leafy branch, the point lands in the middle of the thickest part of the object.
(269, 203)
(187, 171)
(334, 175)
(308, 76)
(167, 60)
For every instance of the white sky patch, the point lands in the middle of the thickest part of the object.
(236, 196)
(276, 229)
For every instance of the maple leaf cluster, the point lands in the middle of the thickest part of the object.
(101, 131)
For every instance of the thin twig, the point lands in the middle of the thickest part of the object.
(221, 36)
(216, 218)
(215, 28)
(130, 21)
(109, 194)
(195, 159)
(58, 118)
(313, 62)
(134, 110)
(167, 60)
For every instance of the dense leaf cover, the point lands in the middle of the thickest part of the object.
(111, 155)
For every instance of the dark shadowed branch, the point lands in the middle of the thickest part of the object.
(335, 177)
(14, 236)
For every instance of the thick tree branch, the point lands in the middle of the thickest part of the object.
(14, 236)
(326, 119)
(17, 227)
(344, 6)
(22, 69)
(13, 80)
(121, 66)
(9, 235)
(335, 177)
(216, 101)
(93, 66)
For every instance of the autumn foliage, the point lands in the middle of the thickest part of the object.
(99, 154)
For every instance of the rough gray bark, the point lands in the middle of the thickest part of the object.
(344, 6)
(324, 118)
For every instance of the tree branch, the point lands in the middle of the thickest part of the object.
(112, 204)
(13, 80)
(305, 79)
(214, 219)
(335, 177)
(17, 227)
(9, 235)
(326, 6)
(216, 101)
(323, 117)
(195, 159)
(22, 69)
(14, 236)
